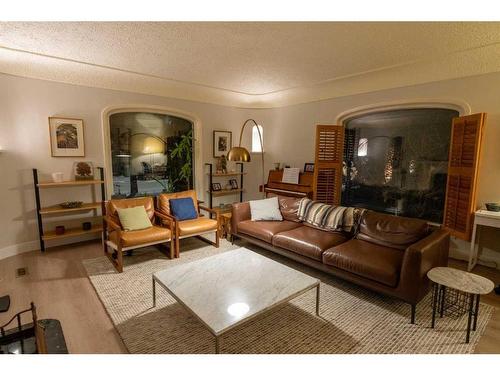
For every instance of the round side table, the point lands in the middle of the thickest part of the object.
(471, 284)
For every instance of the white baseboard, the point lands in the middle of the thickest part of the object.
(19, 248)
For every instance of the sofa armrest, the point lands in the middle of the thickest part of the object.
(431, 251)
(239, 212)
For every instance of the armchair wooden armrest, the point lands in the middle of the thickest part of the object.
(113, 225)
(211, 211)
(170, 219)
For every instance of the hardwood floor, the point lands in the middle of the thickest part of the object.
(58, 284)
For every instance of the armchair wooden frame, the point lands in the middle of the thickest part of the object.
(176, 230)
(116, 256)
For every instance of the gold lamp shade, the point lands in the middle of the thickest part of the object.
(238, 154)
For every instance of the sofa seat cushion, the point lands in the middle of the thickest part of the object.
(196, 226)
(392, 231)
(265, 230)
(308, 241)
(366, 259)
(142, 236)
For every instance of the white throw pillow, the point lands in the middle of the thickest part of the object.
(266, 209)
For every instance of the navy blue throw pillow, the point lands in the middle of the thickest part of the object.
(183, 208)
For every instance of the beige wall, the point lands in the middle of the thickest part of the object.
(25, 105)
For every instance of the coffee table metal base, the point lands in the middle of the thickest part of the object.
(217, 337)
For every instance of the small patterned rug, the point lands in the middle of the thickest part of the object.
(354, 320)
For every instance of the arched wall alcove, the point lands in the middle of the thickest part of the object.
(462, 107)
(197, 143)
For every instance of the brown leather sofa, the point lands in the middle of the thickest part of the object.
(387, 254)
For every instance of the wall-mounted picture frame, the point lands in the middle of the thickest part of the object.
(223, 141)
(234, 183)
(66, 137)
(309, 167)
(216, 186)
(84, 170)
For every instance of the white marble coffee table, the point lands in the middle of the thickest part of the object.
(228, 289)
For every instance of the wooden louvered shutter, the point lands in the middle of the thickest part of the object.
(328, 163)
(463, 166)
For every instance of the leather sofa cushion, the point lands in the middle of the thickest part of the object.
(196, 226)
(163, 200)
(392, 231)
(142, 236)
(308, 241)
(265, 230)
(289, 207)
(366, 259)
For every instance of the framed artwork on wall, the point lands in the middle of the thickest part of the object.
(223, 141)
(66, 137)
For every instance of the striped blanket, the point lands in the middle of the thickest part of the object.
(327, 217)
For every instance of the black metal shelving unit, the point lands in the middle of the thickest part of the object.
(45, 236)
(211, 175)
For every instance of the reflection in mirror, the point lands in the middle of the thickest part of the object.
(151, 153)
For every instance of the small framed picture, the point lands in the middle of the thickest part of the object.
(84, 170)
(216, 186)
(66, 137)
(223, 141)
(234, 183)
(309, 167)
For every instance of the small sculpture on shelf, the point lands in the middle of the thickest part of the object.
(221, 165)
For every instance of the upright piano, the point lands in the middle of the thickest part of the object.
(303, 189)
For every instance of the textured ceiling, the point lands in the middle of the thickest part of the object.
(248, 64)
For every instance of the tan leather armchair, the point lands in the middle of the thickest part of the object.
(189, 228)
(119, 240)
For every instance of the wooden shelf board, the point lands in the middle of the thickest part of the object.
(54, 210)
(227, 174)
(69, 183)
(225, 192)
(71, 232)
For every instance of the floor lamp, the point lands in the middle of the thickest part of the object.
(241, 154)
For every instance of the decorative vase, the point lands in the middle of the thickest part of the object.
(58, 177)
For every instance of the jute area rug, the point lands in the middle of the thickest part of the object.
(355, 320)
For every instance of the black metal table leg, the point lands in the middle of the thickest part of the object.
(476, 313)
(443, 293)
(469, 321)
(434, 304)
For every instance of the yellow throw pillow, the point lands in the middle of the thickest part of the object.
(134, 218)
